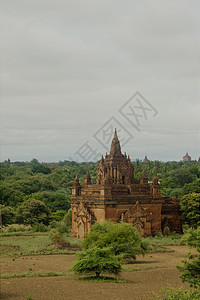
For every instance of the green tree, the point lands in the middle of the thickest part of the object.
(58, 200)
(193, 187)
(122, 238)
(96, 261)
(34, 161)
(190, 206)
(40, 168)
(33, 211)
(7, 215)
(191, 268)
(9, 196)
(26, 186)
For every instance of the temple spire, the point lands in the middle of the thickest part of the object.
(76, 181)
(144, 178)
(155, 179)
(87, 179)
(115, 149)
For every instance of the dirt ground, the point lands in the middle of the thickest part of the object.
(160, 271)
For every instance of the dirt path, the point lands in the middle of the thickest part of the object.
(160, 271)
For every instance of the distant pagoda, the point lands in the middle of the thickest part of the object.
(186, 157)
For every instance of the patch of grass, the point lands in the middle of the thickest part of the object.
(102, 279)
(62, 241)
(23, 233)
(76, 243)
(157, 248)
(18, 245)
(29, 297)
(159, 242)
(48, 252)
(27, 243)
(33, 274)
(139, 268)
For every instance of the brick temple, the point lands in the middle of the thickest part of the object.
(116, 197)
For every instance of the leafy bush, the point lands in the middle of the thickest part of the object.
(193, 187)
(190, 206)
(32, 212)
(7, 214)
(122, 238)
(40, 227)
(58, 215)
(65, 225)
(179, 294)
(97, 260)
(10, 196)
(58, 240)
(191, 268)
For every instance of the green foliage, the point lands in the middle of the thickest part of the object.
(40, 227)
(7, 215)
(11, 197)
(34, 161)
(32, 212)
(26, 186)
(102, 279)
(179, 294)
(191, 268)
(159, 242)
(190, 206)
(58, 240)
(58, 215)
(56, 201)
(96, 261)
(193, 187)
(40, 168)
(122, 238)
(65, 225)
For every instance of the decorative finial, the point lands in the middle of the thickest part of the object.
(115, 135)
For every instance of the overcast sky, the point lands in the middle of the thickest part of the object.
(68, 69)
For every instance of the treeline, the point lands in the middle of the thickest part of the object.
(38, 188)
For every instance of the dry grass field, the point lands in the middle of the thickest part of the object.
(47, 277)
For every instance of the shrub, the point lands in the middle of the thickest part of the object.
(58, 215)
(191, 268)
(122, 238)
(40, 227)
(96, 261)
(179, 294)
(7, 215)
(190, 206)
(32, 212)
(58, 240)
(65, 225)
